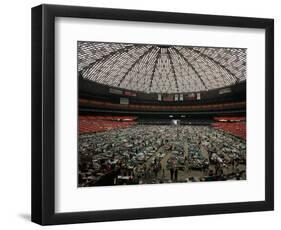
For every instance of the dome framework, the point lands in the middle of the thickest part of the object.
(161, 69)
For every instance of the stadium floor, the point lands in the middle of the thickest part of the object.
(152, 154)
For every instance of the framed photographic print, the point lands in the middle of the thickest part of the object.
(142, 114)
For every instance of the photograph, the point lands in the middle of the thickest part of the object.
(157, 114)
(142, 114)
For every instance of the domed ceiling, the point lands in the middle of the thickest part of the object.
(159, 68)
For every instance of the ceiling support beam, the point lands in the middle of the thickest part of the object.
(154, 68)
(191, 66)
(134, 64)
(173, 69)
(217, 63)
(124, 49)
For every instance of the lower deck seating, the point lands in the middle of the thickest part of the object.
(235, 128)
(231, 119)
(89, 124)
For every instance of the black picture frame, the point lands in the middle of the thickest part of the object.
(43, 110)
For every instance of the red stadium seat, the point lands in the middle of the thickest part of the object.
(235, 128)
(89, 124)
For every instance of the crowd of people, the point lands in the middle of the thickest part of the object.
(146, 154)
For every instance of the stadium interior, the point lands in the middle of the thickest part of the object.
(151, 114)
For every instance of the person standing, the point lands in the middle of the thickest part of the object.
(172, 173)
(176, 174)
